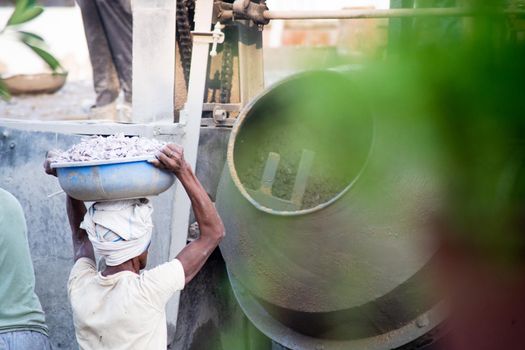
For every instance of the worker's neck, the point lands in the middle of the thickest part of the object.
(132, 265)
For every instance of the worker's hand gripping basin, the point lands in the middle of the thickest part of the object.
(117, 179)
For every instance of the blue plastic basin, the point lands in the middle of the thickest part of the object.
(113, 179)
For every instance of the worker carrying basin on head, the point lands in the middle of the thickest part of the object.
(119, 307)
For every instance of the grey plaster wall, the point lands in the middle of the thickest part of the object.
(21, 173)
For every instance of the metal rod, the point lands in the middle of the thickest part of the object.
(191, 121)
(356, 14)
(55, 194)
(389, 13)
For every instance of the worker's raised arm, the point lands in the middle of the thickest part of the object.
(195, 254)
(82, 247)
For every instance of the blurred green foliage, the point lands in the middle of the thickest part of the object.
(25, 11)
(448, 103)
(469, 85)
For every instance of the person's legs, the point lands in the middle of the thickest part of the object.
(118, 23)
(105, 78)
(24, 340)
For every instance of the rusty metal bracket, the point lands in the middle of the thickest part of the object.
(221, 112)
(219, 10)
(246, 9)
(228, 107)
(214, 37)
(240, 6)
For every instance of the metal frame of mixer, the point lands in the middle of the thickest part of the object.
(251, 16)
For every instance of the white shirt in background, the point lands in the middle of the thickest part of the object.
(124, 310)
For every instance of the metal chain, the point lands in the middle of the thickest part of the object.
(184, 12)
(184, 7)
(226, 71)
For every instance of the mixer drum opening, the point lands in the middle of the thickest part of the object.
(325, 208)
(303, 143)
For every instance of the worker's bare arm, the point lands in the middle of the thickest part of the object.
(82, 247)
(195, 254)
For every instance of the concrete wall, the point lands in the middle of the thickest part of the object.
(206, 304)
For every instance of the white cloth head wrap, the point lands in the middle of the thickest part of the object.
(119, 230)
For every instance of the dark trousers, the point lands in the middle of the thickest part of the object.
(108, 26)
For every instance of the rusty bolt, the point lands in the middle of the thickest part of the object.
(219, 115)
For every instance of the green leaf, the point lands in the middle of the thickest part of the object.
(35, 43)
(51, 61)
(4, 92)
(24, 12)
(30, 37)
(21, 5)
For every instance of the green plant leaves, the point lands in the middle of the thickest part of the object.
(25, 10)
(30, 36)
(51, 61)
(35, 43)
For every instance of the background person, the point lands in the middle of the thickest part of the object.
(108, 26)
(22, 321)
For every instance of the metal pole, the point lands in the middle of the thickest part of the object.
(153, 83)
(191, 122)
(251, 65)
(356, 14)
(390, 13)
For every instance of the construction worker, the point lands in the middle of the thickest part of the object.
(22, 321)
(120, 307)
(108, 26)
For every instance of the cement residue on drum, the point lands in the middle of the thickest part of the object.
(319, 114)
(324, 180)
(105, 148)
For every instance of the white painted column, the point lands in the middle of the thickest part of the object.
(153, 60)
(191, 122)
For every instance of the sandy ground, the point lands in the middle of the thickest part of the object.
(72, 102)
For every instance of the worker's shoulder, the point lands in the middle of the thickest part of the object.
(83, 267)
(82, 273)
(8, 201)
(85, 262)
(172, 266)
(11, 214)
(169, 275)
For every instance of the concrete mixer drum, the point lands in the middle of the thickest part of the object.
(326, 212)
